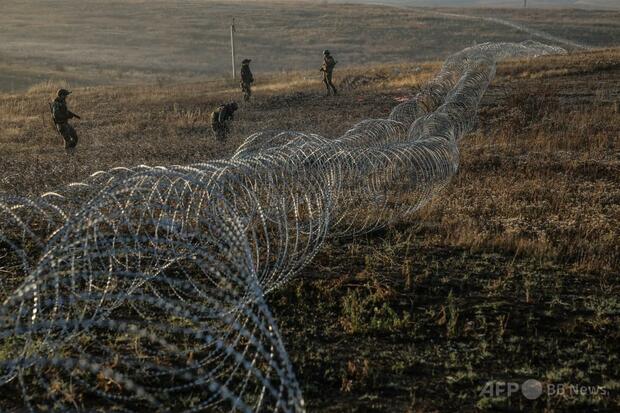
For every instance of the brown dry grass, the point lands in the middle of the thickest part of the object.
(546, 145)
(160, 41)
(164, 125)
(511, 273)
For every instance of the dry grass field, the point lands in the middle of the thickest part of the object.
(511, 273)
(156, 42)
(574, 24)
(537, 4)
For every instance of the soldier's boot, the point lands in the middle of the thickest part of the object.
(74, 136)
(327, 92)
(220, 133)
(69, 135)
(70, 145)
(330, 84)
(74, 139)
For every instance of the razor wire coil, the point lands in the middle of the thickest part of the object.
(145, 287)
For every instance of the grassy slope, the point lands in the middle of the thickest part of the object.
(585, 4)
(511, 273)
(129, 42)
(570, 24)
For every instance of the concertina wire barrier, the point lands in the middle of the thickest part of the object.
(144, 288)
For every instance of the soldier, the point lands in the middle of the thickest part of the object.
(61, 115)
(246, 79)
(328, 70)
(220, 116)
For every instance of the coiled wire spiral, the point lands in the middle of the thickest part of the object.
(143, 288)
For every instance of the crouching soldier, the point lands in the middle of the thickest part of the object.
(220, 117)
(61, 115)
(246, 79)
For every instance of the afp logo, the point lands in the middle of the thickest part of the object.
(531, 389)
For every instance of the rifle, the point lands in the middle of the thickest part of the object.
(54, 120)
(74, 115)
(51, 111)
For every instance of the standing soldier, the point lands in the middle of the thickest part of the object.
(328, 70)
(220, 116)
(61, 115)
(246, 79)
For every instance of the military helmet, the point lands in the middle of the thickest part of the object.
(62, 93)
(245, 61)
(233, 105)
(326, 52)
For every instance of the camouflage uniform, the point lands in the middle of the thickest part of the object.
(328, 69)
(219, 118)
(61, 115)
(246, 79)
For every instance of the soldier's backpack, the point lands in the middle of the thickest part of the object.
(59, 112)
(330, 63)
